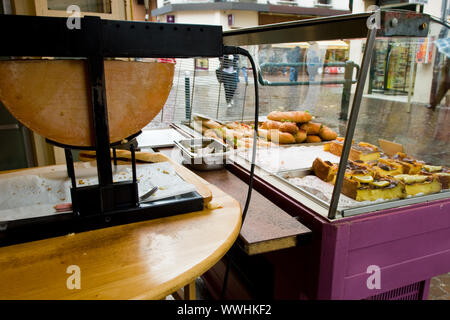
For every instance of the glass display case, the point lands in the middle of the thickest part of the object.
(399, 153)
(365, 170)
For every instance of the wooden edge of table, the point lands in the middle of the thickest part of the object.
(192, 274)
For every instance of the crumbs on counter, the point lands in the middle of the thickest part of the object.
(213, 205)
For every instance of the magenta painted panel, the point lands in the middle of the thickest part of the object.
(400, 224)
(410, 244)
(393, 252)
(398, 275)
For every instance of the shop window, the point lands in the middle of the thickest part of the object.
(98, 6)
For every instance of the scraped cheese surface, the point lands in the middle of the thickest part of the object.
(35, 195)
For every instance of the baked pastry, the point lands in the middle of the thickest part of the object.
(368, 188)
(290, 127)
(311, 127)
(271, 124)
(276, 136)
(300, 136)
(387, 167)
(292, 116)
(248, 143)
(444, 179)
(419, 184)
(327, 134)
(362, 151)
(439, 172)
(233, 125)
(410, 165)
(313, 139)
(211, 133)
(325, 170)
(211, 124)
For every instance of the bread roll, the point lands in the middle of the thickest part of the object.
(276, 136)
(293, 116)
(233, 125)
(300, 136)
(290, 127)
(311, 127)
(264, 133)
(210, 133)
(211, 124)
(327, 134)
(270, 124)
(313, 139)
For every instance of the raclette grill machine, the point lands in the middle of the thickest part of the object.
(108, 203)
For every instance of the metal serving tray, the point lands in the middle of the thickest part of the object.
(300, 173)
(346, 212)
(211, 161)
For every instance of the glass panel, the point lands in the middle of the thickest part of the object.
(99, 6)
(404, 102)
(402, 134)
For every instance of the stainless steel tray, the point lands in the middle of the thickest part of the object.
(211, 161)
(301, 173)
(359, 209)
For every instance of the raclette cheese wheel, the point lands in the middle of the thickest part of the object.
(52, 97)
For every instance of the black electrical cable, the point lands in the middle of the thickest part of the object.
(243, 52)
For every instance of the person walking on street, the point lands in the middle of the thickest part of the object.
(293, 57)
(227, 73)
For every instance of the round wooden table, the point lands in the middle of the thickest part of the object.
(144, 260)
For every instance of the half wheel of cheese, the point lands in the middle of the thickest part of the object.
(52, 97)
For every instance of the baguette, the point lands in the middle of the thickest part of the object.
(292, 116)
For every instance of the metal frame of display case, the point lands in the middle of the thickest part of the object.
(409, 244)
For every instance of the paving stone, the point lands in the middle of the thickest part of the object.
(437, 292)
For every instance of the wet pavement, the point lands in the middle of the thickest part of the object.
(440, 288)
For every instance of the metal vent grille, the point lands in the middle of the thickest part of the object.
(409, 292)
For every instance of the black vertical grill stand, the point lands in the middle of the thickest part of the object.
(108, 202)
